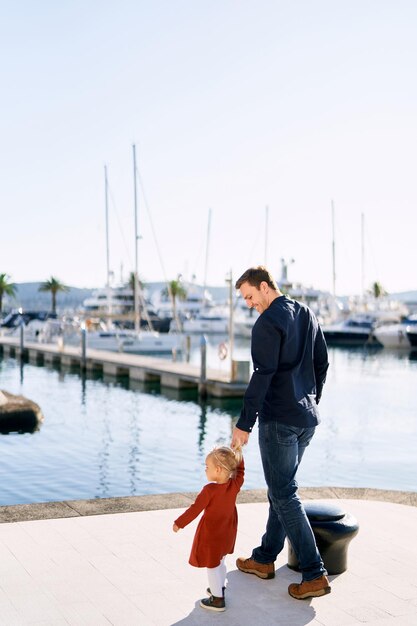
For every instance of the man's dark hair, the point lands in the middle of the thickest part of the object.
(254, 276)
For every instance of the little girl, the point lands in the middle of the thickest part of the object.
(216, 532)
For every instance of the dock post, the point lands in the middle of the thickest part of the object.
(22, 338)
(83, 349)
(202, 387)
(187, 348)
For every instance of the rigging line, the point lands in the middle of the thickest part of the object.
(372, 254)
(341, 240)
(198, 261)
(152, 225)
(200, 251)
(141, 295)
(255, 244)
(113, 203)
(156, 243)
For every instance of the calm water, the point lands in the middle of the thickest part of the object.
(102, 438)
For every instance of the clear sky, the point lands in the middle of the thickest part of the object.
(233, 105)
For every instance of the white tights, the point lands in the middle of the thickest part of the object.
(217, 578)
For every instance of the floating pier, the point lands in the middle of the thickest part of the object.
(171, 374)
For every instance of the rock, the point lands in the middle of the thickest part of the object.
(18, 413)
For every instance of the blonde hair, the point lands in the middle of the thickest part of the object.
(227, 458)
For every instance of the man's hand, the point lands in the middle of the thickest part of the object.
(175, 528)
(239, 438)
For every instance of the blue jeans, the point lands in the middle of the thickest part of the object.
(282, 448)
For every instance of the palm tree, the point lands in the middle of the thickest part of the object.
(6, 288)
(377, 290)
(131, 281)
(138, 297)
(174, 290)
(54, 286)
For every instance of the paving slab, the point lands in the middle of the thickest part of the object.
(129, 568)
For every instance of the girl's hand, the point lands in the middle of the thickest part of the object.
(175, 528)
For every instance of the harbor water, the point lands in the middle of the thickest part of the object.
(104, 437)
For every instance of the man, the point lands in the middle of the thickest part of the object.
(290, 362)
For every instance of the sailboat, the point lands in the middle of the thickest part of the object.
(131, 342)
(135, 341)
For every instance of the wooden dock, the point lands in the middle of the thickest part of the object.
(170, 374)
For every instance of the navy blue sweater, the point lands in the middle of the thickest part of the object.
(290, 362)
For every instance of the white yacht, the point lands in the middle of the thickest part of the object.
(395, 335)
(412, 335)
(101, 337)
(196, 300)
(214, 320)
(143, 342)
(356, 329)
(117, 300)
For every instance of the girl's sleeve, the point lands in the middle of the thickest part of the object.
(195, 509)
(240, 474)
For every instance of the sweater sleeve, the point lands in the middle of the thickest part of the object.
(321, 363)
(195, 509)
(266, 345)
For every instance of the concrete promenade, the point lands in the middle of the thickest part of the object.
(117, 561)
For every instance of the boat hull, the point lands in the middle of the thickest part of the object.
(392, 336)
(412, 337)
(355, 330)
(216, 327)
(339, 337)
(132, 343)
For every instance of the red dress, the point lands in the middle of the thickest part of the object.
(216, 531)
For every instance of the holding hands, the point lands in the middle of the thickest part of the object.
(239, 438)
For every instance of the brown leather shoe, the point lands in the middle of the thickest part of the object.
(310, 588)
(250, 566)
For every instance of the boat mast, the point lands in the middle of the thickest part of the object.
(266, 235)
(106, 199)
(334, 308)
(333, 255)
(231, 321)
(363, 256)
(207, 255)
(136, 276)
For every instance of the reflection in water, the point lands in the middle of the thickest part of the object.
(144, 386)
(202, 425)
(115, 381)
(134, 453)
(104, 458)
(179, 395)
(105, 437)
(83, 387)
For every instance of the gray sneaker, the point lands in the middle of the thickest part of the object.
(213, 604)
